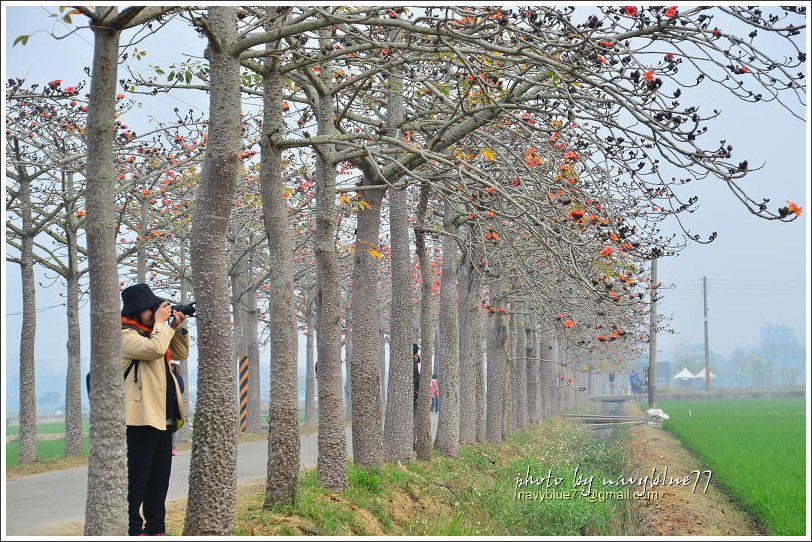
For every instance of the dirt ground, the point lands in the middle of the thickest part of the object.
(677, 511)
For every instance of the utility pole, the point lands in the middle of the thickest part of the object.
(707, 356)
(652, 339)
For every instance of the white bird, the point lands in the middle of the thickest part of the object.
(689, 413)
(657, 413)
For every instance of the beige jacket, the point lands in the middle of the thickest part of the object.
(145, 400)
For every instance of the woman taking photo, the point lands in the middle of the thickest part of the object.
(152, 399)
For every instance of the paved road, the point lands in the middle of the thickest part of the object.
(45, 503)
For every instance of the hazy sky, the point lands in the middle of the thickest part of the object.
(755, 268)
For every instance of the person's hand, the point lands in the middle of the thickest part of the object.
(163, 313)
(178, 318)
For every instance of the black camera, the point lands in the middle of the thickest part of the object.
(188, 310)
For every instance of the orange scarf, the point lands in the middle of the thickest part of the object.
(138, 325)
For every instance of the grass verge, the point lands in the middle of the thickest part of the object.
(469, 495)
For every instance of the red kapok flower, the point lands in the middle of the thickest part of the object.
(671, 11)
(605, 252)
(649, 76)
(568, 323)
(794, 209)
(631, 11)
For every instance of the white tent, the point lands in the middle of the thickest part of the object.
(684, 374)
(701, 374)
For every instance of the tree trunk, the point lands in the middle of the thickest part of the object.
(213, 469)
(448, 426)
(248, 306)
(237, 340)
(520, 369)
(568, 373)
(481, 402)
(183, 434)
(245, 325)
(547, 375)
(532, 371)
(438, 354)
(28, 395)
(310, 375)
(73, 379)
(106, 504)
(73, 382)
(508, 422)
(423, 439)
(497, 338)
(469, 298)
(332, 460)
(345, 371)
(251, 317)
(399, 420)
(283, 409)
(367, 430)
(381, 350)
(561, 397)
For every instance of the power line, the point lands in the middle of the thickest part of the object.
(39, 310)
(73, 30)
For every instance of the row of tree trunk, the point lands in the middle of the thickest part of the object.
(476, 404)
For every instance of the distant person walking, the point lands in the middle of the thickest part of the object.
(634, 383)
(435, 394)
(611, 383)
(152, 402)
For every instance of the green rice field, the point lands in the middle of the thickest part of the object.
(756, 450)
(46, 449)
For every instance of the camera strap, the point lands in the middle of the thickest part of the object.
(134, 362)
(129, 367)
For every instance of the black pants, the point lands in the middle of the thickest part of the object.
(149, 463)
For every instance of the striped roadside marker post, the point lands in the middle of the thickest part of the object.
(243, 393)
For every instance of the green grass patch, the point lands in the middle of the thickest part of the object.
(473, 494)
(49, 428)
(756, 450)
(47, 450)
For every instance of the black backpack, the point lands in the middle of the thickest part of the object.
(129, 367)
(133, 363)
